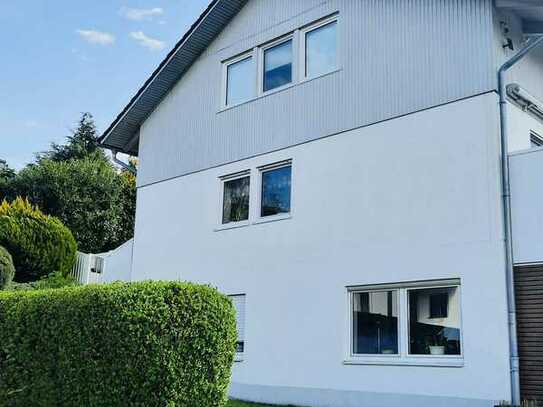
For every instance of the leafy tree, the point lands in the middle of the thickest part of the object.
(82, 143)
(77, 183)
(6, 173)
(87, 195)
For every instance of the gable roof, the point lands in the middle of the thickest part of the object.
(122, 135)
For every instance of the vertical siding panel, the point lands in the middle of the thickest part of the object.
(397, 57)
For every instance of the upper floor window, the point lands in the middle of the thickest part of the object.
(303, 53)
(239, 81)
(236, 199)
(277, 65)
(321, 49)
(276, 187)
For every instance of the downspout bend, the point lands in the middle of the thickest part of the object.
(506, 197)
(123, 164)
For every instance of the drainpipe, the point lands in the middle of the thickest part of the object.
(506, 196)
(123, 164)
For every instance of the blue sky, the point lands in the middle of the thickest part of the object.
(64, 57)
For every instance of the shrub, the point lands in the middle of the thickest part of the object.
(122, 344)
(7, 269)
(39, 244)
(53, 280)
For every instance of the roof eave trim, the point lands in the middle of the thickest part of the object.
(103, 139)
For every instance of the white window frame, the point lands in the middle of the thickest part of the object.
(404, 357)
(351, 344)
(222, 181)
(536, 139)
(303, 41)
(261, 50)
(240, 355)
(257, 216)
(224, 81)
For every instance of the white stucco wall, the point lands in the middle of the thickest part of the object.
(414, 198)
(526, 205)
(118, 263)
(520, 125)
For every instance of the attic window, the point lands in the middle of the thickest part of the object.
(321, 48)
(278, 65)
(239, 80)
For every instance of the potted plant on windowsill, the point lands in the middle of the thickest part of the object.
(437, 344)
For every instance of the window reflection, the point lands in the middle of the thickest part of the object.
(375, 322)
(276, 185)
(434, 321)
(320, 50)
(239, 86)
(278, 65)
(236, 200)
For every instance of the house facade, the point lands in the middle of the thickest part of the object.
(334, 166)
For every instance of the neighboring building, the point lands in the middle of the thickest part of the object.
(334, 165)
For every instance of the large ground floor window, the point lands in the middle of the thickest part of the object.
(409, 323)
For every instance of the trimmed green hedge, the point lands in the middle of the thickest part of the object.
(7, 269)
(39, 244)
(123, 344)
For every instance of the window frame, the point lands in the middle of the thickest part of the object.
(261, 61)
(239, 356)
(351, 333)
(258, 218)
(536, 141)
(224, 85)
(303, 47)
(222, 181)
(404, 357)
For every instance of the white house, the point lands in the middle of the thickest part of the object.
(336, 166)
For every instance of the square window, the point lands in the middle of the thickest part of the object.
(277, 66)
(375, 323)
(236, 200)
(321, 50)
(239, 81)
(428, 336)
(276, 191)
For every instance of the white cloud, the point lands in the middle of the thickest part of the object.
(96, 37)
(147, 42)
(139, 14)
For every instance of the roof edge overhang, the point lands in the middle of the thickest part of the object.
(122, 135)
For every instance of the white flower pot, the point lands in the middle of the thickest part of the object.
(437, 350)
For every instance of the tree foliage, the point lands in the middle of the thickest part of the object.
(7, 268)
(77, 183)
(83, 143)
(39, 244)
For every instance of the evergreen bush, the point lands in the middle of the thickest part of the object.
(7, 269)
(39, 244)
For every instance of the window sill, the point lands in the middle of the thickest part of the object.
(279, 90)
(273, 218)
(451, 361)
(238, 358)
(232, 225)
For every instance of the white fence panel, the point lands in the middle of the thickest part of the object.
(115, 265)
